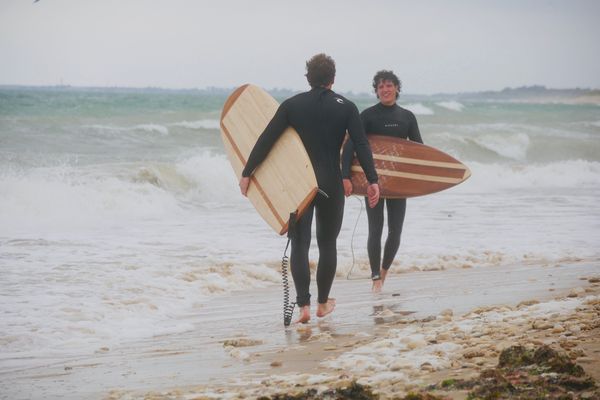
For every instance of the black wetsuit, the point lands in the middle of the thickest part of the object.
(389, 121)
(321, 118)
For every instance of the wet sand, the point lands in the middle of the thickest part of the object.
(240, 349)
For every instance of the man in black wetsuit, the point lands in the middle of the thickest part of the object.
(321, 117)
(384, 118)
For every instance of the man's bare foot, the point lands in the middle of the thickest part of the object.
(304, 315)
(377, 284)
(325, 308)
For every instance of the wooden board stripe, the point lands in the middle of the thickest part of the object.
(428, 178)
(234, 96)
(266, 198)
(237, 151)
(303, 206)
(416, 161)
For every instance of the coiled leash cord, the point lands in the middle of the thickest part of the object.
(288, 309)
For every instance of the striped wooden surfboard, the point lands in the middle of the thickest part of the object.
(408, 169)
(285, 181)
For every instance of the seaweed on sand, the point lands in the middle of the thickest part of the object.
(527, 373)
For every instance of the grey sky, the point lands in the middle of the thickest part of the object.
(434, 46)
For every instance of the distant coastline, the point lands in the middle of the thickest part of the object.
(540, 94)
(535, 94)
(525, 94)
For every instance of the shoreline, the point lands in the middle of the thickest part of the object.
(425, 327)
(576, 335)
(313, 362)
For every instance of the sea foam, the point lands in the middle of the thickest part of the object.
(200, 124)
(527, 177)
(513, 146)
(451, 105)
(151, 128)
(418, 109)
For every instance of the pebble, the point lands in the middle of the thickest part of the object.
(239, 354)
(473, 354)
(541, 324)
(527, 303)
(397, 366)
(575, 329)
(241, 342)
(447, 313)
(427, 367)
(576, 292)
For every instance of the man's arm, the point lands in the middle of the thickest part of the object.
(347, 156)
(263, 145)
(361, 146)
(266, 140)
(364, 155)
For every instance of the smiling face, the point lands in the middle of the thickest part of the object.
(387, 92)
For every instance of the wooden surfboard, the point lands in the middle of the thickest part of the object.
(408, 169)
(285, 181)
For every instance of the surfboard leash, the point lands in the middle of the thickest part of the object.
(288, 309)
(352, 239)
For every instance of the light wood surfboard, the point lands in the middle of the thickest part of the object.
(408, 169)
(285, 181)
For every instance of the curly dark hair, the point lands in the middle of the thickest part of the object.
(385, 75)
(320, 70)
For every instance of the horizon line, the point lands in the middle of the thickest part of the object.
(534, 87)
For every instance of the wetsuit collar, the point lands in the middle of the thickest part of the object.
(320, 89)
(385, 107)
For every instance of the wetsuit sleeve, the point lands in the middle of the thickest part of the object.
(266, 140)
(347, 156)
(361, 145)
(414, 134)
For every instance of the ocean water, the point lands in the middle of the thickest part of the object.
(120, 216)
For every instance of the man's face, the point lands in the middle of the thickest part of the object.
(386, 92)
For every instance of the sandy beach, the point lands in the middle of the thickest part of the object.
(425, 327)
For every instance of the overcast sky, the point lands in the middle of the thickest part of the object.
(434, 46)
